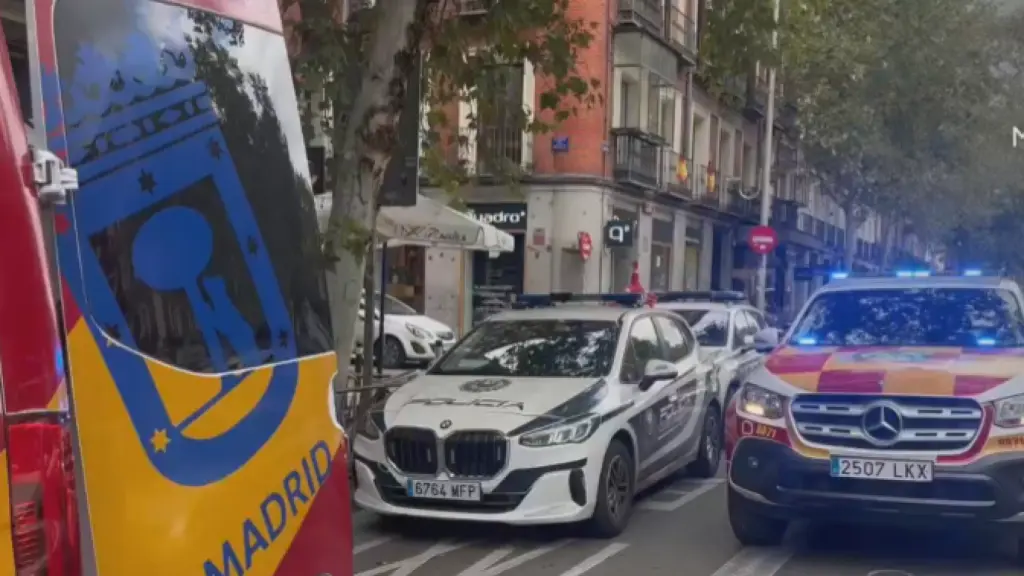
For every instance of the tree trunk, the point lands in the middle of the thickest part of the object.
(362, 148)
(888, 240)
(853, 222)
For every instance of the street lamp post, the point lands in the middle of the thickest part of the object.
(766, 159)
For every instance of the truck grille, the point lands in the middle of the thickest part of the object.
(475, 453)
(913, 423)
(412, 450)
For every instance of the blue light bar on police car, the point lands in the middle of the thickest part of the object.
(701, 296)
(972, 272)
(840, 275)
(553, 298)
(986, 341)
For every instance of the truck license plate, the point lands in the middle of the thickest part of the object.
(437, 490)
(882, 469)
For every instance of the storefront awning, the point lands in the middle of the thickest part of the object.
(430, 223)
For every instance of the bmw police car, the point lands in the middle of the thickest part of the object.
(897, 400)
(548, 414)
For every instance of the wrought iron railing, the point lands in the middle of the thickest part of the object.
(637, 160)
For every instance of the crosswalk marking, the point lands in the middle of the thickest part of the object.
(596, 560)
(487, 566)
(684, 498)
(360, 548)
(755, 562)
(409, 565)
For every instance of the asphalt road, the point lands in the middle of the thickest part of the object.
(679, 529)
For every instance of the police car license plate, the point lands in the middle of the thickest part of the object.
(882, 469)
(438, 490)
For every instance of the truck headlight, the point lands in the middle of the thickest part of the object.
(757, 401)
(1010, 412)
(575, 432)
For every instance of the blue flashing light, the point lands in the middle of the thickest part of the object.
(913, 273)
(840, 275)
(986, 341)
(806, 341)
(972, 272)
(922, 273)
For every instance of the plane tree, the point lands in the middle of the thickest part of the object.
(360, 68)
(892, 96)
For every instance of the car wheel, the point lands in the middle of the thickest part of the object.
(750, 527)
(614, 504)
(710, 454)
(394, 353)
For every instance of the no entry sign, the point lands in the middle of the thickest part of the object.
(762, 239)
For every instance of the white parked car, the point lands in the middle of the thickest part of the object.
(409, 337)
(727, 328)
(541, 416)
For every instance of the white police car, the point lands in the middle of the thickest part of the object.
(548, 414)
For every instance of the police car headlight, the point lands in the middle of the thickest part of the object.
(367, 428)
(1010, 412)
(571, 433)
(757, 401)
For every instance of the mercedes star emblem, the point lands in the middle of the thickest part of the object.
(882, 423)
(446, 424)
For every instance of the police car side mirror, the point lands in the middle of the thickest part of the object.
(657, 371)
(766, 340)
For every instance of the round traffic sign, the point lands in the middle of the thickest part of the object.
(762, 239)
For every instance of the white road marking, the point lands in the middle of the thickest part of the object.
(596, 560)
(755, 562)
(409, 565)
(683, 499)
(487, 566)
(360, 548)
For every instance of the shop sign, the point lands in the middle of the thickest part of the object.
(431, 234)
(508, 217)
(619, 233)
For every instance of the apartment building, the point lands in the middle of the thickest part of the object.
(660, 175)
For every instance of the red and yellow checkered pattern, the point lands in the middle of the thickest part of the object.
(901, 370)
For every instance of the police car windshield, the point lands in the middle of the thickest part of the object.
(710, 327)
(534, 348)
(961, 317)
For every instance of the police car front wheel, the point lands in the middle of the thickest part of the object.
(614, 502)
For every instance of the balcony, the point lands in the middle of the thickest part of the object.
(675, 180)
(646, 14)
(682, 34)
(498, 151)
(746, 208)
(638, 160)
(707, 190)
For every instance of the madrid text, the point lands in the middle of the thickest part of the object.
(293, 496)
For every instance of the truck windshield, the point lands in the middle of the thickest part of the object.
(962, 317)
(535, 348)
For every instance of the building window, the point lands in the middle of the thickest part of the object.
(645, 95)
(500, 137)
(662, 232)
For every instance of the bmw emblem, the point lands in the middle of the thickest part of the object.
(485, 385)
(446, 424)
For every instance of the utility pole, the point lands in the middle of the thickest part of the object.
(766, 160)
